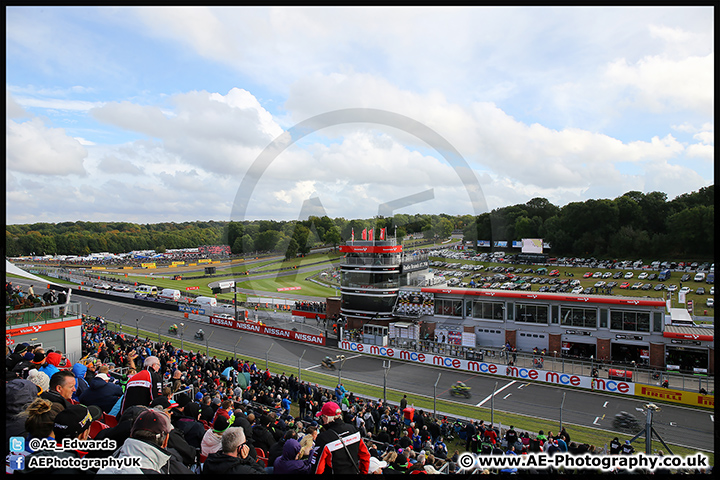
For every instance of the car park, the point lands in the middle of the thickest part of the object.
(636, 286)
(555, 273)
(652, 276)
(611, 284)
(685, 290)
(672, 288)
(628, 275)
(599, 284)
(625, 285)
(659, 287)
(588, 291)
(607, 275)
(646, 286)
(710, 302)
(587, 275)
(617, 275)
(685, 278)
(643, 276)
(577, 290)
(700, 291)
(597, 275)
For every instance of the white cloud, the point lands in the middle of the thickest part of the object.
(659, 83)
(218, 133)
(12, 108)
(548, 102)
(34, 148)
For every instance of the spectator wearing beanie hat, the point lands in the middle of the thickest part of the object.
(16, 357)
(184, 417)
(40, 379)
(21, 368)
(39, 360)
(212, 440)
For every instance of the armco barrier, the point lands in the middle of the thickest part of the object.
(94, 293)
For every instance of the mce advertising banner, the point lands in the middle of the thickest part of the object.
(520, 373)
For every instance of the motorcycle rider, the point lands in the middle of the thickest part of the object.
(200, 334)
(460, 388)
(173, 327)
(328, 361)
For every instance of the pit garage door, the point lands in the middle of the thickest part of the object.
(526, 341)
(489, 337)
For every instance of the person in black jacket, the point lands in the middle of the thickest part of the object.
(233, 458)
(101, 393)
(62, 386)
(262, 438)
(186, 417)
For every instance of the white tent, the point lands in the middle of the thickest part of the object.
(10, 268)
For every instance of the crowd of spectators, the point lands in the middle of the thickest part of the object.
(186, 412)
(317, 307)
(16, 297)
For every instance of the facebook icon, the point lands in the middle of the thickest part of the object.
(17, 462)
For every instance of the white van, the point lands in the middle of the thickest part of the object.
(699, 277)
(206, 301)
(146, 290)
(170, 294)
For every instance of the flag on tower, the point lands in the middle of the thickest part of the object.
(364, 234)
(352, 235)
(372, 239)
(382, 234)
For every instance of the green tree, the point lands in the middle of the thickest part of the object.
(291, 250)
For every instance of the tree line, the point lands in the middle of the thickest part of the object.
(634, 224)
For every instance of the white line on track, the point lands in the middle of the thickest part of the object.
(596, 421)
(490, 396)
(605, 404)
(505, 397)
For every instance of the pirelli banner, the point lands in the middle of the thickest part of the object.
(675, 396)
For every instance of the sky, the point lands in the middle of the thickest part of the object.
(181, 114)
